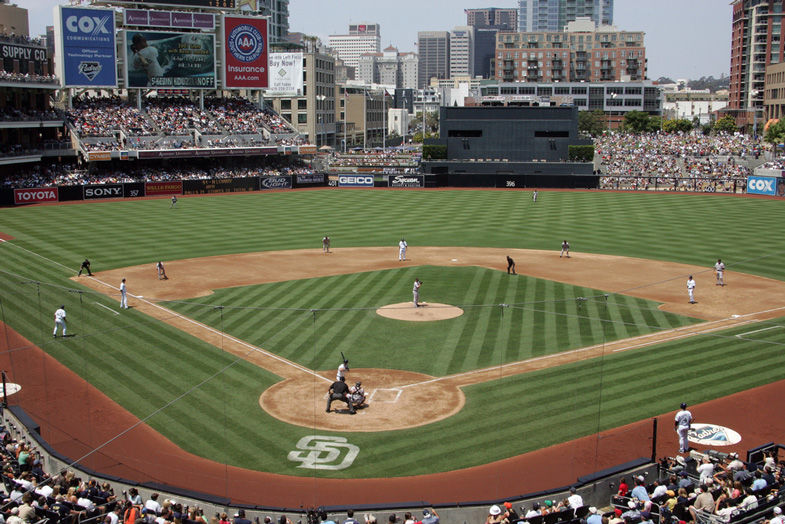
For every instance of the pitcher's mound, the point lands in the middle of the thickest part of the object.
(427, 312)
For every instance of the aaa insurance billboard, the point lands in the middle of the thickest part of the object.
(157, 59)
(245, 52)
(85, 47)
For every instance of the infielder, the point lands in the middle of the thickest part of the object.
(123, 295)
(342, 369)
(565, 249)
(719, 267)
(691, 289)
(161, 271)
(326, 244)
(416, 292)
(85, 267)
(510, 265)
(682, 426)
(59, 320)
(402, 245)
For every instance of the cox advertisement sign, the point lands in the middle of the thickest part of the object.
(355, 181)
(761, 185)
(85, 47)
(245, 52)
(35, 195)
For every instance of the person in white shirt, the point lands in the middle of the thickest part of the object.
(719, 268)
(145, 58)
(691, 289)
(59, 320)
(152, 505)
(682, 423)
(416, 292)
(575, 500)
(402, 245)
(123, 295)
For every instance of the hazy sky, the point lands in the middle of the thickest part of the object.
(684, 38)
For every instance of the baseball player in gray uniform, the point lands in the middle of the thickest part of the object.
(416, 292)
(565, 249)
(719, 267)
(59, 320)
(682, 425)
(691, 289)
(402, 245)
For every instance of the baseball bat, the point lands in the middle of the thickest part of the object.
(343, 357)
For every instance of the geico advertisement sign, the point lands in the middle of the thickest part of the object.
(761, 185)
(35, 195)
(107, 191)
(355, 181)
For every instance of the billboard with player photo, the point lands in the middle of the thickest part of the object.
(157, 59)
(245, 52)
(85, 47)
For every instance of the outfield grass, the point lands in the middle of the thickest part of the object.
(134, 358)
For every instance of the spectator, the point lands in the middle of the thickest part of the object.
(639, 491)
(350, 517)
(594, 517)
(575, 501)
(703, 502)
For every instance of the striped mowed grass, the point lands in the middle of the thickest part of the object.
(596, 394)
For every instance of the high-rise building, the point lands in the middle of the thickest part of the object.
(362, 38)
(484, 51)
(434, 51)
(756, 41)
(389, 68)
(554, 15)
(462, 51)
(504, 19)
(278, 11)
(581, 53)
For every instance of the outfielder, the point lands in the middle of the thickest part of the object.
(59, 320)
(326, 244)
(565, 249)
(416, 292)
(534, 196)
(174, 201)
(682, 426)
(123, 295)
(719, 267)
(402, 245)
(691, 289)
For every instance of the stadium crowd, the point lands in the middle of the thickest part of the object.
(71, 174)
(674, 161)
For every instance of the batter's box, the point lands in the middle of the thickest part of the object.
(385, 395)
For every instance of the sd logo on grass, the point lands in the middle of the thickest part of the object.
(323, 452)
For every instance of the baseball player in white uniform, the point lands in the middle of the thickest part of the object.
(565, 249)
(342, 369)
(416, 292)
(402, 245)
(691, 289)
(719, 267)
(682, 425)
(534, 196)
(326, 244)
(123, 295)
(59, 320)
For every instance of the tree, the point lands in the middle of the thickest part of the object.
(679, 125)
(591, 122)
(637, 122)
(775, 134)
(726, 124)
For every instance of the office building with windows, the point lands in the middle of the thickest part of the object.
(553, 15)
(362, 38)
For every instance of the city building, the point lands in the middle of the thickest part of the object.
(462, 51)
(774, 92)
(495, 17)
(360, 114)
(582, 52)
(278, 11)
(484, 51)
(689, 104)
(434, 56)
(362, 38)
(756, 42)
(553, 15)
(13, 19)
(390, 68)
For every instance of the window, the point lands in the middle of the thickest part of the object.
(302, 118)
(286, 104)
(302, 103)
(464, 133)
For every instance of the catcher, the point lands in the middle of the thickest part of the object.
(357, 395)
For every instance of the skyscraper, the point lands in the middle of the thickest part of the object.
(756, 42)
(462, 51)
(504, 19)
(434, 51)
(278, 11)
(553, 15)
(362, 38)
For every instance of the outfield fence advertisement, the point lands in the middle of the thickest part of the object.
(35, 195)
(245, 52)
(97, 191)
(761, 185)
(355, 181)
(275, 182)
(169, 60)
(163, 188)
(286, 74)
(85, 47)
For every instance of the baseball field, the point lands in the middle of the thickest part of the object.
(229, 359)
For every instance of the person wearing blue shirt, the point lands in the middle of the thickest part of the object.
(639, 491)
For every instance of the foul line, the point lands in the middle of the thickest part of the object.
(107, 308)
(741, 335)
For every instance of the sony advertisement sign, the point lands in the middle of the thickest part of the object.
(103, 191)
(85, 47)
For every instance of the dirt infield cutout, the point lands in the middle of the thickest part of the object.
(413, 399)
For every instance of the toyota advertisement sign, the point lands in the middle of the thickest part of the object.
(35, 195)
(245, 52)
(85, 47)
